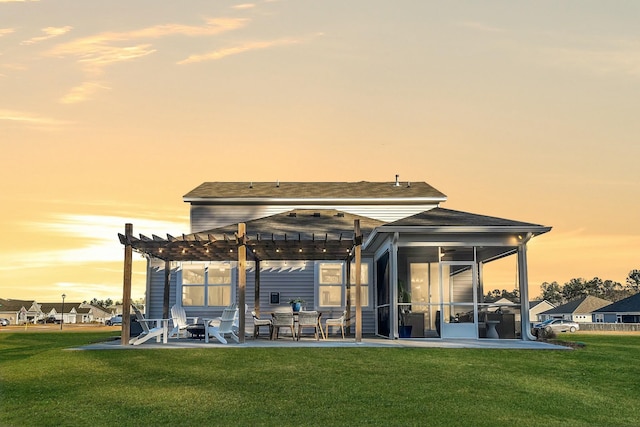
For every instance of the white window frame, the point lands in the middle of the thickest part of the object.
(206, 285)
(318, 286)
(366, 304)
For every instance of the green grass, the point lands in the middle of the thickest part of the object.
(41, 383)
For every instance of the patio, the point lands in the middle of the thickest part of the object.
(183, 343)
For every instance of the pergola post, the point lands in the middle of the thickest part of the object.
(167, 277)
(242, 278)
(126, 286)
(256, 289)
(357, 239)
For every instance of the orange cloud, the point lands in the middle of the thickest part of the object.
(222, 53)
(82, 92)
(30, 119)
(49, 33)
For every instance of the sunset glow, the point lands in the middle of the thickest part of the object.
(112, 111)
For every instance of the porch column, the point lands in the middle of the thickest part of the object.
(126, 286)
(525, 332)
(393, 286)
(358, 242)
(242, 279)
(349, 303)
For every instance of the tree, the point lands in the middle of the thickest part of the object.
(575, 288)
(633, 282)
(551, 292)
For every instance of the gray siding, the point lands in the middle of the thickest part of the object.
(274, 277)
(207, 217)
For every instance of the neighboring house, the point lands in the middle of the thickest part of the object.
(624, 311)
(94, 313)
(579, 310)
(72, 312)
(302, 239)
(20, 311)
(536, 308)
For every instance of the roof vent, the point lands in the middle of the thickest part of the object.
(278, 183)
(397, 180)
(316, 214)
(251, 185)
(293, 214)
(340, 214)
(408, 184)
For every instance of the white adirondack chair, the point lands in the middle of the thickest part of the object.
(222, 326)
(180, 321)
(147, 332)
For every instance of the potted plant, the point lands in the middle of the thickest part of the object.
(296, 303)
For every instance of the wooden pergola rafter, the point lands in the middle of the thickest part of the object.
(343, 246)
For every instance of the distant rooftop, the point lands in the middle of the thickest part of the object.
(212, 191)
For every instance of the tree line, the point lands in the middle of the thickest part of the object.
(576, 288)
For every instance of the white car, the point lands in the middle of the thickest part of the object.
(5, 322)
(556, 325)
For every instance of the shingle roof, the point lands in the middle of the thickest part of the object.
(628, 305)
(584, 305)
(313, 190)
(14, 304)
(441, 217)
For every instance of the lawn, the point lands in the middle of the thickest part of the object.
(42, 383)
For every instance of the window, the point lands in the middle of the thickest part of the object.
(364, 284)
(206, 284)
(330, 279)
(599, 318)
(331, 283)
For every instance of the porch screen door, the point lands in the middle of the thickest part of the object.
(383, 325)
(459, 300)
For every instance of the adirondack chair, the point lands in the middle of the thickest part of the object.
(222, 326)
(180, 321)
(147, 332)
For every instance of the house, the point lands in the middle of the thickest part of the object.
(624, 311)
(20, 311)
(536, 307)
(94, 313)
(579, 310)
(374, 249)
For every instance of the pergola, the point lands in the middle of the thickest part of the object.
(294, 235)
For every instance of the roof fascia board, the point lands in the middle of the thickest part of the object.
(463, 229)
(316, 200)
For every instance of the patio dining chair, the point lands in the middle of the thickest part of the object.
(258, 322)
(282, 319)
(309, 319)
(147, 332)
(180, 321)
(336, 322)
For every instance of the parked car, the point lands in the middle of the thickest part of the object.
(5, 322)
(555, 325)
(52, 319)
(114, 321)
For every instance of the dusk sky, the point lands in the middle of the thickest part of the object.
(111, 111)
